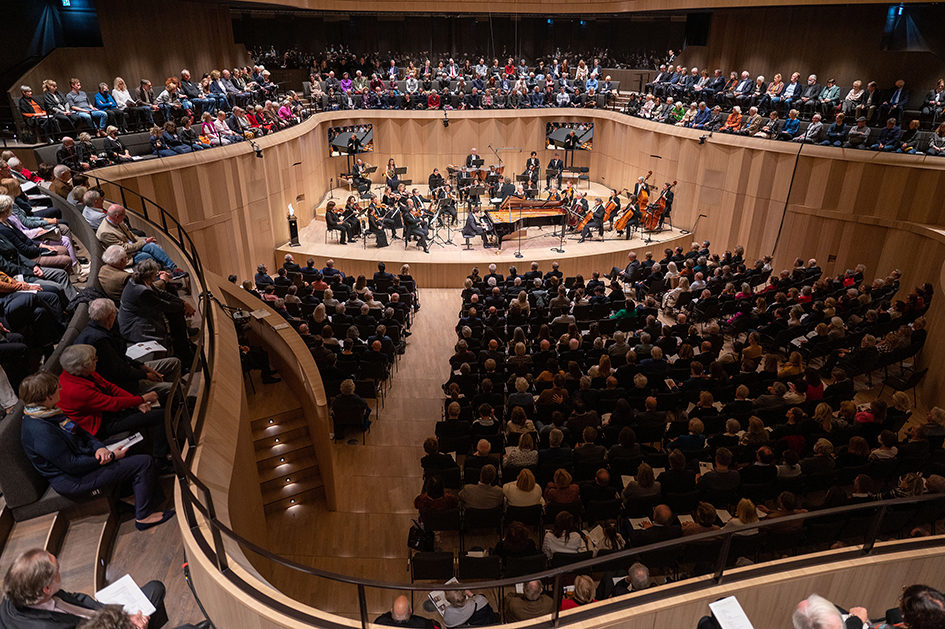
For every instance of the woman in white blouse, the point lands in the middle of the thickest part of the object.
(564, 537)
(126, 103)
(524, 492)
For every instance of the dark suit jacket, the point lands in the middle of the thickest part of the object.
(113, 364)
(654, 535)
(13, 617)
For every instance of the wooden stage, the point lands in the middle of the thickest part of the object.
(447, 266)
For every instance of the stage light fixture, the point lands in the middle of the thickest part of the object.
(256, 148)
(446, 120)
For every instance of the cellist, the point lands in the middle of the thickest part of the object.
(667, 195)
(612, 212)
(596, 222)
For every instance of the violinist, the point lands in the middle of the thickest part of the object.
(392, 179)
(553, 194)
(667, 195)
(596, 222)
(413, 226)
(376, 223)
(350, 216)
(393, 219)
(478, 225)
(532, 162)
(448, 202)
(435, 180)
(334, 221)
(568, 193)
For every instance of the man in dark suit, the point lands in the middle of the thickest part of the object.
(650, 87)
(596, 222)
(474, 226)
(895, 103)
(598, 490)
(807, 101)
(531, 180)
(472, 157)
(743, 88)
(382, 273)
(289, 265)
(34, 599)
(853, 361)
(334, 221)
(661, 529)
(413, 226)
(668, 196)
(555, 167)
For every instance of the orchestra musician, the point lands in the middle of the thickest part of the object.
(555, 167)
(532, 161)
(358, 171)
(448, 202)
(615, 199)
(596, 222)
(376, 223)
(667, 195)
(334, 221)
(553, 194)
(435, 180)
(571, 141)
(531, 183)
(350, 216)
(414, 226)
(568, 193)
(493, 180)
(579, 205)
(393, 219)
(472, 157)
(392, 179)
(480, 225)
(641, 185)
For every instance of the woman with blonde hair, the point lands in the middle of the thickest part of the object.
(562, 490)
(522, 455)
(209, 131)
(756, 435)
(140, 114)
(793, 367)
(523, 492)
(745, 513)
(823, 415)
(319, 316)
(583, 594)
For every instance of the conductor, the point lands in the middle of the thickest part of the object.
(571, 141)
(354, 144)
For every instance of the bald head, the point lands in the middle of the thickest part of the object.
(662, 515)
(116, 213)
(401, 609)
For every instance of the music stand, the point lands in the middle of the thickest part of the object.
(436, 222)
(473, 191)
(476, 163)
(370, 170)
(400, 170)
(552, 173)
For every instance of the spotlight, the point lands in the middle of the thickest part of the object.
(702, 139)
(256, 148)
(446, 120)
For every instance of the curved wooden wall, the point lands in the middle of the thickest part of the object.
(774, 197)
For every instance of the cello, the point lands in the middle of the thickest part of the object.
(652, 219)
(587, 217)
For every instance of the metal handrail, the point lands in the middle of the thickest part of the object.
(215, 550)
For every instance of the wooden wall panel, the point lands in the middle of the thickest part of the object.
(766, 40)
(155, 43)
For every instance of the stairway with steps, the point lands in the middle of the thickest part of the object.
(285, 460)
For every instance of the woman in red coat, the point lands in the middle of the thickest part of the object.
(102, 408)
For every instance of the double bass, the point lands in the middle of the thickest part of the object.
(652, 219)
(640, 202)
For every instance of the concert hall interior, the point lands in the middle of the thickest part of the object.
(632, 295)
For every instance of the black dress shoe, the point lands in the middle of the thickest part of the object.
(82, 259)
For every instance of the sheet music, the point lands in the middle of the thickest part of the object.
(125, 592)
(136, 351)
(729, 613)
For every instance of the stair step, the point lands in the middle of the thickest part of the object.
(77, 556)
(306, 497)
(266, 463)
(282, 449)
(285, 438)
(291, 490)
(278, 418)
(298, 477)
(277, 428)
(288, 468)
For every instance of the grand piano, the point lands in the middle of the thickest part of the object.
(515, 214)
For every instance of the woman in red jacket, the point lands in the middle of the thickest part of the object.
(102, 408)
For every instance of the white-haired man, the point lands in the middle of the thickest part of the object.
(113, 231)
(816, 612)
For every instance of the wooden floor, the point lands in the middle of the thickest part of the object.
(448, 265)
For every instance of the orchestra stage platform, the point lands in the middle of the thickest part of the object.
(448, 266)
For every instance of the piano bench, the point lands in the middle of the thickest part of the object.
(468, 245)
